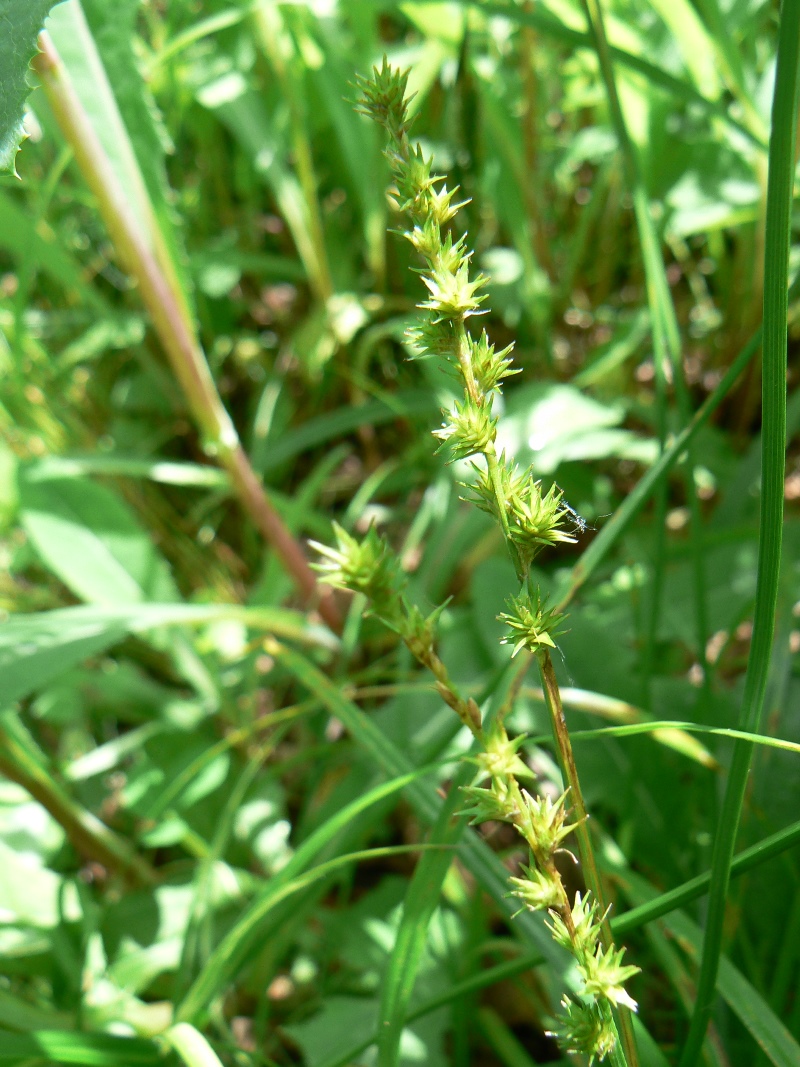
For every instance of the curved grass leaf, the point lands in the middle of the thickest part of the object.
(774, 1039)
(751, 857)
(88, 1050)
(250, 927)
(676, 726)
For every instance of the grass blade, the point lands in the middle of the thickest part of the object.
(696, 887)
(418, 907)
(753, 1011)
(235, 945)
(90, 1050)
(776, 266)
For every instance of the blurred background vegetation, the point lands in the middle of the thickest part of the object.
(167, 776)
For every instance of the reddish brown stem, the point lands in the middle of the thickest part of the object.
(173, 325)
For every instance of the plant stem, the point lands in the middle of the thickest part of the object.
(626, 1054)
(173, 327)
(552, 696)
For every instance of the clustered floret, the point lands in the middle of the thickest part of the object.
(531, 519)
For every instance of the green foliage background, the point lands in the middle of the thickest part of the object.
(210, 803)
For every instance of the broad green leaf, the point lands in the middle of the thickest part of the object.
(548, 424)
(21, 21)
(90, 538)
(18, 1014)
(37, 647)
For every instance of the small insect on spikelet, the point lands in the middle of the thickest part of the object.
(530, 520)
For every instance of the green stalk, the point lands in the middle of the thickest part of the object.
(773, 445)
(552, 696)
(172, 326)
(624, 1053)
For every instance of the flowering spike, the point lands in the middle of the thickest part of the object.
(584, 1029)
(542, 822)
(470, 429)
(604, 973)
(531, 624)
(530, 519)
(536, 889)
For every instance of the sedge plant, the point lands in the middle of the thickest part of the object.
(531, 520)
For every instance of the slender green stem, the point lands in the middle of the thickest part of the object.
(173, 326)
(773, 445)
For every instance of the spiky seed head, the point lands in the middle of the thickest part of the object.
(383, 98)
(483, 805)
(584, 1029)
(368, 566)
(536, 889)
(452, 294)
(531, 624)
(488, 366)
(470, 429)
(542, 822)
(536, 518)
(414, 179)
(433, 336)
(586, 924)
(500, 759)
(604, 975)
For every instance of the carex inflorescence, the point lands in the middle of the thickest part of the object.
(530, 519)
